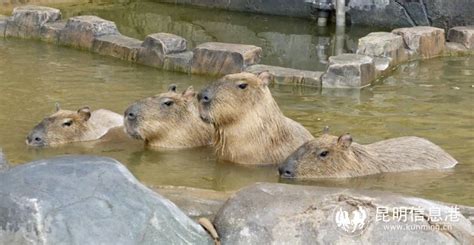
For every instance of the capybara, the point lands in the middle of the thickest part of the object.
(65, 126)
(337, 157)
(168, 120)
(249, 126)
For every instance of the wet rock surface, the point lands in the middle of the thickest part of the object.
(81, 31)
(349, 71)
(117, 46)
(383, 45)
(290, 214)
(156, 46)
(3, 25)
(50, 31)
(215, 58)
(28, 21)
(180, 62)
(87, 200)
(423, 41)
(463, 35)
(288, 76)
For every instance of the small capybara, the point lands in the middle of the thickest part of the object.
(65, 126)
(337, 157)
(249, 126)
(168, 120)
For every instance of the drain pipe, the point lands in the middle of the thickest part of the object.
(340, 12)
(323, 8)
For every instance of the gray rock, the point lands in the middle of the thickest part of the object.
(180, 62)
(349, 71)
(156, 46)
(383, 45)
(87, 200)
(50, 31)
(3, 25)
(423, 41)
(27, 21)
(290, 214)
(3, 162)
(81, 31)
(457, 49)
(215, 58)
(463, 35)
(288, 76)
(117, 46)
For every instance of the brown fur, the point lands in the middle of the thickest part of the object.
(249, 126)
(65, 126)
(346, 159)
(176, 125)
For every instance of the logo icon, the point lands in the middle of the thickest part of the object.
(351, 222)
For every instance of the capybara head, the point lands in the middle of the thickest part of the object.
(62, 127)
(155, 117)
(323, 157)
(233, 96)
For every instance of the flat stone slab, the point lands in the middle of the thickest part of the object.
(267, 213)
(383, 45)
(118, 46)
(27, 21)
(424, 41)
(288, 76)
(180, 62)
(463, 35)
(81, 31)
(349, 71)
(215, 58)
(87, 200)
(156, 46)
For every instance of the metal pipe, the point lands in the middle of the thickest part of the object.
(340, 12)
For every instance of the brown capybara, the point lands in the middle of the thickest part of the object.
(337, 157)
(168, 120)
(249, 126)
(65, 126)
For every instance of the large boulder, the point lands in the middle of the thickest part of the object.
(288, 76)
(423, 41)
(118, 46)
(3, 162)
(383, 45)
(87, 200)
(215, 58)
(81, 31)
(349, 71)
(463, 35)
(157, 46)
(28, 21)
(290, 214)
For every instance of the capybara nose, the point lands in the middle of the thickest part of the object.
(204, 96)
(131, 113)
(34, 139)
(286, 171)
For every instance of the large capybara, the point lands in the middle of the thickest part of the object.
(65, 126)
(168, 120)
(337, 157)
(249, 126)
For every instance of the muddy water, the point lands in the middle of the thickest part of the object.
(432, 99)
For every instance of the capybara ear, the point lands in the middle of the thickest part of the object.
(189, 93)
(326, 130)
(266, 77)
(57, 107)
(344, 141)
(172, 88)
(84, 113)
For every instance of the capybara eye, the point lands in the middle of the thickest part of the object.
(324, 154)
(243, 85)
(168, 103)
(67, 123)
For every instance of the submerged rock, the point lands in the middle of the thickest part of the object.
(290, 214)
(87, 200)
(349, 71)
(224, 58)
(28, 21)
(423, 41)
(463, 35)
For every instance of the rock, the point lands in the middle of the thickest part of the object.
(117, 46)
(457, 49)
(349, 71)
(50, 31)
(423, 41)
(288, 76)
(224, 58)
(463, 35)
(291, 214)
(383, 45)
(156, 46)
(180, 62)
(3, 25)
(27, 21)
(87, 200)
(3, 162)
(196, 203)
(81, 31)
